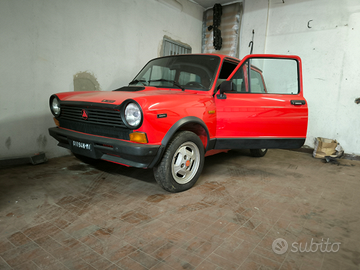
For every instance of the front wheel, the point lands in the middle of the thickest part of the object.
(258, 152)
(182, 163)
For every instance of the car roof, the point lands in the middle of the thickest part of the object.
(221, 56)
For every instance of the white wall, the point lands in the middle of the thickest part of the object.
(44, 43)
(255, 17)
(330, 54)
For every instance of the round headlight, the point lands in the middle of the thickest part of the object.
(133, 115)
(55, 106)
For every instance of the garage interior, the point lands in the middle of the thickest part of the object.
(66, 214)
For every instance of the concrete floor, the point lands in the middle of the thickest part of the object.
(68, 215)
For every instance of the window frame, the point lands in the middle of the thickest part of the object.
(171, 47)
(247, 78)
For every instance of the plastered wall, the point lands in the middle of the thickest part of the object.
(326, 35)
(44, 44)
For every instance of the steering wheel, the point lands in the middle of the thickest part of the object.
(195, 84)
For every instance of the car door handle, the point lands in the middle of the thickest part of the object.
(297, 102)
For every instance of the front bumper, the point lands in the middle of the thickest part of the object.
(113, 150)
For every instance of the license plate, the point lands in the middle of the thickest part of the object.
(81, 145)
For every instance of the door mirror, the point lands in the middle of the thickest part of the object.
(226, 86)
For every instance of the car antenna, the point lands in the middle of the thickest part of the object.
(251, 44)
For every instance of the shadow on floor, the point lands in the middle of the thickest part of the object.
(146, 175)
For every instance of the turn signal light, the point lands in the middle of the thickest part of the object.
(138, 137)
(56, 122)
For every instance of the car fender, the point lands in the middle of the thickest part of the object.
(175, 128)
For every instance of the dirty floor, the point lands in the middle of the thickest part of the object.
(66, 214)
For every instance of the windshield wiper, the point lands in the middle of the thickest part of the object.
(137, 81)
(173, 82)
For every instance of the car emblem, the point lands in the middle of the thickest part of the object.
(108, 100)
(84, 114)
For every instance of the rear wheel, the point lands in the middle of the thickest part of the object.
(182, 163)
(258, 152)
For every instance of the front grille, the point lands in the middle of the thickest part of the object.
(103, 117)
(102, 122)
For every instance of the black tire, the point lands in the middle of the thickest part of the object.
(258, 152)
(187, 150)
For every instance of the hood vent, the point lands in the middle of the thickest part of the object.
(130, 88)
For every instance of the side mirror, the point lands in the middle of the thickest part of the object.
(226, 86)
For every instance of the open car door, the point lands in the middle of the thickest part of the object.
(261, 105)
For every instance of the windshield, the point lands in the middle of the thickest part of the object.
(196, 72)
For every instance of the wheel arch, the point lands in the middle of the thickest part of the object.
(189, 123)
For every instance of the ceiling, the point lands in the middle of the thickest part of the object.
(211, 3)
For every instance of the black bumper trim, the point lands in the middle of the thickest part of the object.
(123, 152)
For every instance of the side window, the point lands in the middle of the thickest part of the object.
(257, 84)
(256, 79)
(226, 69)
(239, 79)
(268, 75)
(280, 76)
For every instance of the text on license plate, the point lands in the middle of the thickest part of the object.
(86, 146)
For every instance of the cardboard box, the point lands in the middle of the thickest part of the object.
(327, 147)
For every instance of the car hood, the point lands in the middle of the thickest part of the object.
(117, 97)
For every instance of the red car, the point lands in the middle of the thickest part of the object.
(180, 108)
